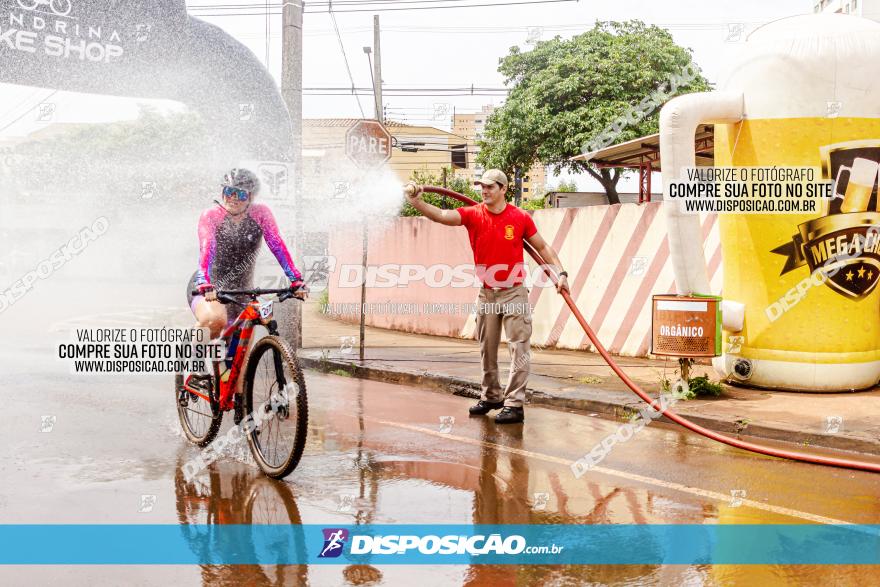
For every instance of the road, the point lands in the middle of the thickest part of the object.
(111, 452)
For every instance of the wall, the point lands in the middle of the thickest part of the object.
(617, 258)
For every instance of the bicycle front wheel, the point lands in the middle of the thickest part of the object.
(276, 407)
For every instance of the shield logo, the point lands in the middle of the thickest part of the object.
(842, 247)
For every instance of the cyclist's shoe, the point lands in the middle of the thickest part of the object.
(182, 397)
(482, 407)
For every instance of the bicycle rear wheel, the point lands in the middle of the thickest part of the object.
(276, 407)
(199, 419)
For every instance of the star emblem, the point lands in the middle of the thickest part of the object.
(861, 271)
(849, 275)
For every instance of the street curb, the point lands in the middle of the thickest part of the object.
(619, 410)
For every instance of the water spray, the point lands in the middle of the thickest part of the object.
(412, 190)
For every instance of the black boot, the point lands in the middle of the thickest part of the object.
(481, 408)
(510, 415)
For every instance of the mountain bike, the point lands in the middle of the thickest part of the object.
(272, 408)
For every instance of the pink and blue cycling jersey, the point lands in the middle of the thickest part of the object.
(228, 248)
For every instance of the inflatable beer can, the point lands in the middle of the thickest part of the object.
(802, 307)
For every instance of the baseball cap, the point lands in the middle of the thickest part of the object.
(491, 176)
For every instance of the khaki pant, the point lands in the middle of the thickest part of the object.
(511, 309)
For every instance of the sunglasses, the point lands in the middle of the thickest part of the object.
(231, 192)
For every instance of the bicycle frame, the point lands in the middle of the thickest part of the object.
(255, 312)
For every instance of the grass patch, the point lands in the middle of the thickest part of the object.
(590, 379)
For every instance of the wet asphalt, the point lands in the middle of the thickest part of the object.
(111, 452)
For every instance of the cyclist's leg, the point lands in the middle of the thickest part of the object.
(210, 315)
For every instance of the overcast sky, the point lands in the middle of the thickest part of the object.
(429, 48)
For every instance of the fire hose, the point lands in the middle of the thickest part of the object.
(665, 411)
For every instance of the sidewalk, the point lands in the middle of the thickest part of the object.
(583, 382)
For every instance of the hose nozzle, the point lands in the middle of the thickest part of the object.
(411, 190)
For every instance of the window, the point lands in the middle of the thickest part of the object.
(525, 190)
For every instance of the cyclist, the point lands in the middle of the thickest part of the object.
(229, 241)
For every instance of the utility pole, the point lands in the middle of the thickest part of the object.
(377, 70)
(291, 92)
(380, 116)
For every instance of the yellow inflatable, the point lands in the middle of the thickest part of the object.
(802, 310)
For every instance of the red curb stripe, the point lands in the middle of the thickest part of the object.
(580, 277)
(641, 296)
(632, 247)
(558, 241)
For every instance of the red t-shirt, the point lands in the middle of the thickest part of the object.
(497, 242)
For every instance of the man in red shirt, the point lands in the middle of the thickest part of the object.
(496, 230)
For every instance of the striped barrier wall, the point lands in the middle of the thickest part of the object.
(617, 257)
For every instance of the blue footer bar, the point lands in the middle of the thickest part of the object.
(440, 544)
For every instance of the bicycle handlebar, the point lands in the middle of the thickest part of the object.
(224, 296)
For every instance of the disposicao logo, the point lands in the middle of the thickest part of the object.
(471, 545)
(334, 542)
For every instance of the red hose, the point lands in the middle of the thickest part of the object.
(734, 442)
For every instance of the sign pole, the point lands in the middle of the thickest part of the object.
(368, 145)
(364, 292)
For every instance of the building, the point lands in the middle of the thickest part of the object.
(580, 199)
(414, 148)
(472, 126)
(866, 8)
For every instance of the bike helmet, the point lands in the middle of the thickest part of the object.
(243, 179)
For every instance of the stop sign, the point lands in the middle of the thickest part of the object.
(368, 144)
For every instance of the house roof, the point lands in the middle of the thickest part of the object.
(644, 149)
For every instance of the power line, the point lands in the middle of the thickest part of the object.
(411, 89)
(22, 103)
(384, 9)
(269, 5)
(345, 58)
(268, 32)
(26, 112)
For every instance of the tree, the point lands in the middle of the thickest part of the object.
(455, 183)
(567, 187)
(601, 87)
(176, 151)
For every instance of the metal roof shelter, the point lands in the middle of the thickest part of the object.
(643, 154)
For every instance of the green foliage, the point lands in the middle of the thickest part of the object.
(534, 204)
(176, 150)
(566, 92)
(701, 386)
(455, 183)
(566, 187)
(697, 387)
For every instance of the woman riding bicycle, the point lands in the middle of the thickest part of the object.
(229, 242)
